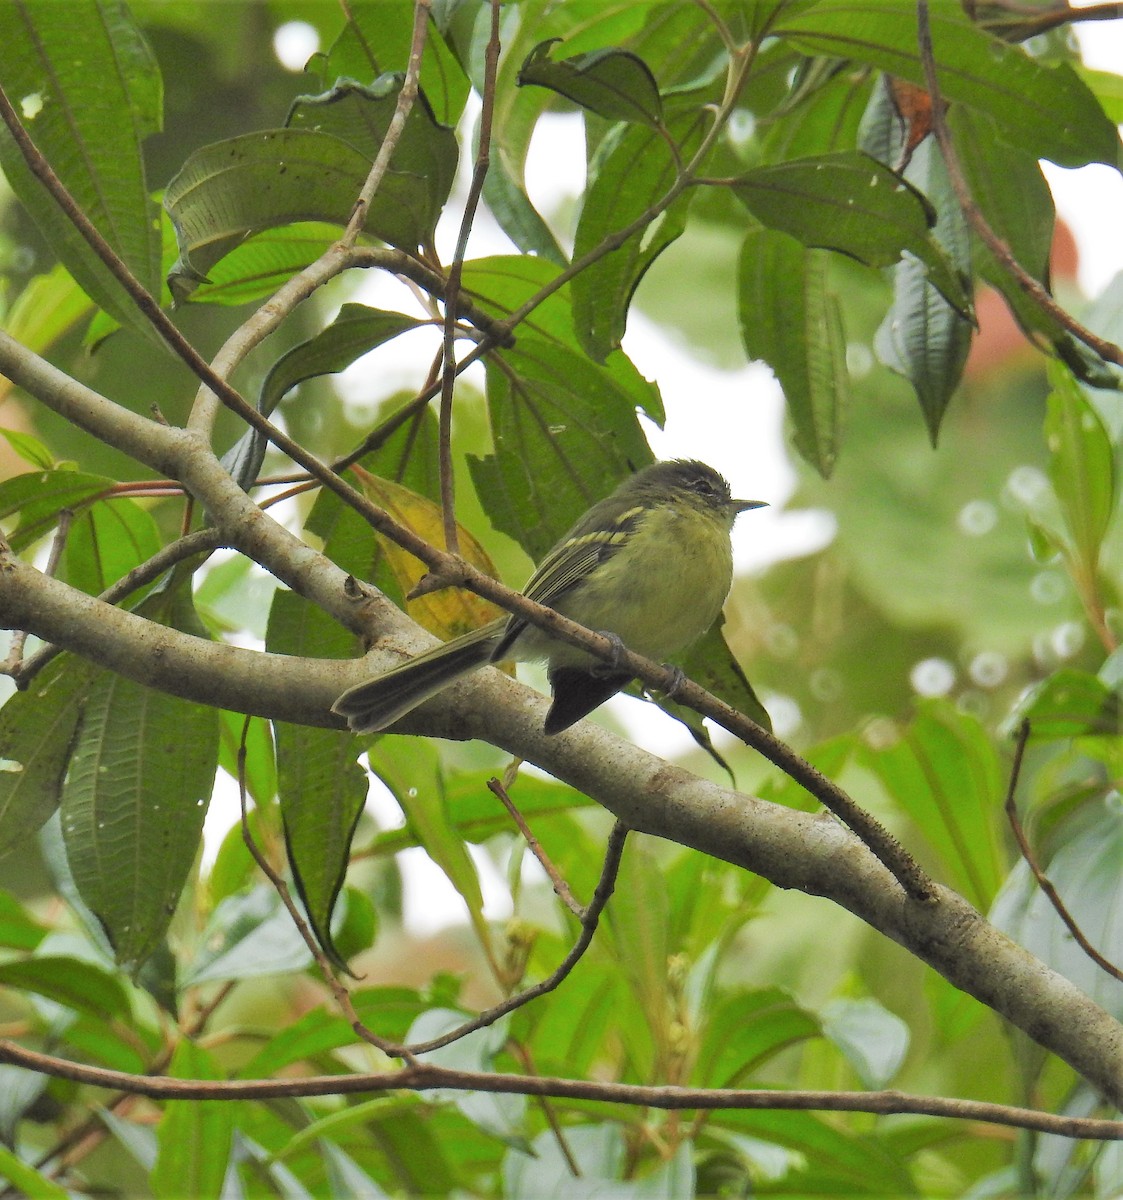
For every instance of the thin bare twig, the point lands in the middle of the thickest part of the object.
(77, 1143)
(535, 847)
(523, 1054)
(406, 98)
(1108, 351)
(452, 295)
(590, 917)
(1043, 881)
(426, 1077)
(338, 991)
(1023, 22)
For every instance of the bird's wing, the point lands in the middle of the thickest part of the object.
(566, 566)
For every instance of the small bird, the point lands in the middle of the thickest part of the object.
(650, 566)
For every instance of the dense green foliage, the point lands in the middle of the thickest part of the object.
(754, 190)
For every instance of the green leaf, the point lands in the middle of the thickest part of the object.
(311, 170)
(307, 1039)
(631, 172)
(348, 1178)
(392, 1010)
(874, 1040)
(361, 116)
(94, 1040)
(922, 336)
(20, 1090)
(94, 946)
(1085, 872)
(321, 786)
(505, 282)
(1107, 87)
(821, 114)
(89, 111)
(1016, 200)
(323, 790)
(851, 203)
(1070, 703)
(601, 1158)
(233, 868)
(1047, 111)
(194, 1135)
(45, 309)
(355, 330)
(70, 982)
(831, 1161)
(260, 762)
(518, 109)
(476, 815)
(139, 1140)
(639, 927)
(257, 267)
(615, 84)
(18, 930)
(27, 1180)
(565, 432)
(29, 448)
(791, 320)
(1018, 205)
(1081, 467)
(106, 541)
(500, 1115)
(411, 769)
(376, 40)
(37, 729)
(227, 191)
(248, 934)
(945, 773)
(135, 798)
(743, 1031)
(711, 663)
(40, 496)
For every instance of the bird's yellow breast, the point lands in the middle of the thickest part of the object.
(661, 590)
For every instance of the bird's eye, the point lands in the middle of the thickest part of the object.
(705, 486)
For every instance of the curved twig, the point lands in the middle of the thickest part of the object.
(589, 920)
(1043, 881)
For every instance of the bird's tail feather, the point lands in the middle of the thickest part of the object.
(381, 701)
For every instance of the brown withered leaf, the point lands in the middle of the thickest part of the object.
(914, 107)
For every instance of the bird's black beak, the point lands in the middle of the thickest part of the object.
(744, 505)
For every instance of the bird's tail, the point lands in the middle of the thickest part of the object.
(381, 701)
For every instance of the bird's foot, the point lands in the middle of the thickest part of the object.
(612, 666)
(678, 678)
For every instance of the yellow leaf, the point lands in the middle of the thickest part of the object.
(446, 613)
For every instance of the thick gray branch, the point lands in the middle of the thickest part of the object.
(794, 850)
